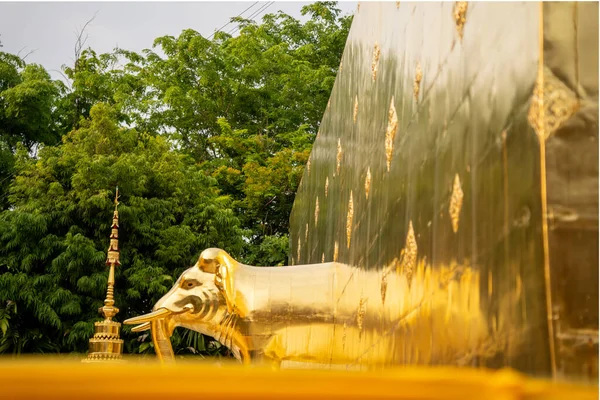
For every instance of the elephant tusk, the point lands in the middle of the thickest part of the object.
(140, 328)
(154, 315)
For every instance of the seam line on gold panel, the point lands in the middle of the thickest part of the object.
(542, 142)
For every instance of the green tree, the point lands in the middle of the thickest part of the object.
(247, 108)
(53, 242)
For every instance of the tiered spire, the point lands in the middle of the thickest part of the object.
(106, 344)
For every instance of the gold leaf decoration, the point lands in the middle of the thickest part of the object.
(390, 134)
(355, 112)
(326, 186)
(360, 313)
(338, 157)
(349, 218)
(368, 183)
(456, 200)
(552, 103)
(409, 256)
(417, 83)
(460, 16)
(375, 62)
(317, 211)
(335, 251)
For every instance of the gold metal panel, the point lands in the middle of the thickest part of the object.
(496, 214)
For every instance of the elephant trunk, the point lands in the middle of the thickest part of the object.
(162, 341)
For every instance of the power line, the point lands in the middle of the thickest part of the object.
(219, 30)
(263, 8)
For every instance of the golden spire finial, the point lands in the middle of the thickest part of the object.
(106, 345)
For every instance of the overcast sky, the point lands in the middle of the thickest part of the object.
(48, 30)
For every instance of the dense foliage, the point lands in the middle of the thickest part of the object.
(207, 141)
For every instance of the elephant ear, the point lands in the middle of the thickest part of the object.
(224, 284)
(218, 262)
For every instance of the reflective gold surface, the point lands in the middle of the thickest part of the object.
(477, 136)
(52, 379)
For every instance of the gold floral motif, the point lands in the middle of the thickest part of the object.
(409, 254)
(375, 63)
(456, 200)
(460, 16)
(349, 218)
(338, 157)
(417, 83)
(360, 314)
(552, 103)
(355, 112)
(326, 186)
(317, 211)
(368, 183)
(335, 251)
(390, 134)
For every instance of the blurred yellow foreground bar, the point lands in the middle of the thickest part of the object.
(60, 379)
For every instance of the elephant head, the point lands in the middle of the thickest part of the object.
(194, 302)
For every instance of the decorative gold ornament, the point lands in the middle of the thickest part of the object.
(106, 344)
(552, 103)
(349, 218)
(368, 183)
(375, 62)
(390, 134)
(456, 200)
(460, 16)
(338, 157)
(417, 83)
(409, 254)
(360, 314)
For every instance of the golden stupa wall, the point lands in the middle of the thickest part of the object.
(459, 148)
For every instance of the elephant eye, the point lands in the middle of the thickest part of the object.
(190, 284)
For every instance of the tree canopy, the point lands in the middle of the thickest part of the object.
(207, 140)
